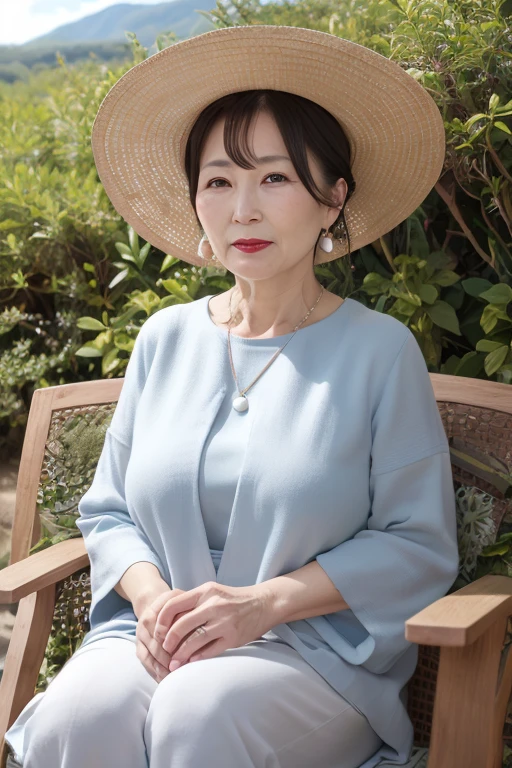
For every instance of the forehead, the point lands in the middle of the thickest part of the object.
(264, 138)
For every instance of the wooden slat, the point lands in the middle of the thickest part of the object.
(25, 531)
(460, 618)
(25, 656)
(42, 569)
(463, 724)
(501, 704)
(85, 393)
(29, 474)
(461, 389)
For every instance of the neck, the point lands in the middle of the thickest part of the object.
(273, 314)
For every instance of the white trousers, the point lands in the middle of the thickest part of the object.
(258, 706)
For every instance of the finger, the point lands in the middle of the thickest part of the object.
(156, 670)
(144, 634)
(156, 605)
(211, 650)
(168, 613)
(183, 627)
(195, 642)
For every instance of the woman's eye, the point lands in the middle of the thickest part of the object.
(214, 182)
(276, 174)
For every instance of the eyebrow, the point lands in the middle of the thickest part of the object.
(260, 160)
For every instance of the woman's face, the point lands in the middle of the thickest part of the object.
(268, 202)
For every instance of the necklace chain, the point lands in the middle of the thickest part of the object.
(243, 391)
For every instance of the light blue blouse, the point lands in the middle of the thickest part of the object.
(221, 459)
(341, 458)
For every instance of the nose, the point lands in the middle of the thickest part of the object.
(245, 205)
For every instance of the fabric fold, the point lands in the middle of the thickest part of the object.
(404, 561)
(112, 540)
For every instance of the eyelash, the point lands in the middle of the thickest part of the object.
(268, 174)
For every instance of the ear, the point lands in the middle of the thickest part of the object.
(339, 193)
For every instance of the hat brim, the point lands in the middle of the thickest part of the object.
(141, 129)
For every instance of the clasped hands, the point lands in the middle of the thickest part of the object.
(181, 626)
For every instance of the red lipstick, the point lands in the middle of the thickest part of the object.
(251, 244)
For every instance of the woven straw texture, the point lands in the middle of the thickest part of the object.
(140, 133)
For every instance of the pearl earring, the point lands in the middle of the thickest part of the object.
(326, 243)
(204, 249)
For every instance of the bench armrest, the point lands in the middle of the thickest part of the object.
(462, 617)
(42, 569)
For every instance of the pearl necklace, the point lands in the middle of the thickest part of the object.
(241, 403)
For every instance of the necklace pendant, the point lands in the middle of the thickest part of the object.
(241, 403)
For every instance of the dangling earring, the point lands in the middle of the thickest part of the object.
(326, 243)
(204, 249)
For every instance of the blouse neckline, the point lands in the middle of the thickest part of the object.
(274, 340)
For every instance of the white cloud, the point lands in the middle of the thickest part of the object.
(22, 20)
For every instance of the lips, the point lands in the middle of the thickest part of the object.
(252, 241)
(251, 246)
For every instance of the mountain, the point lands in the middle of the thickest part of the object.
(103, 35)
(147, 21)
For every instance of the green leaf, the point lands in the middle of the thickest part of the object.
(438, 260)
(133, 239)
(118, 278)
(418, 237)
(470, 365)
(428, 293)
(373, 283)
(176, 290)
(473, 119)
(86, 351)
(381, 303)
(90, 324)
(169, 262)
(445, 277)
(490, 316)
(443, 315)
(474, 286)
(410, 298)
(495, 549)
(143, 254)
(10, 224)
(486, 345)
(495, 359)
(494, 101)
(123, 249)
(499, 124)
(110, 361)
(500, 293)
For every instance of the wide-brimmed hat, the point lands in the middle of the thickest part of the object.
(139, 136)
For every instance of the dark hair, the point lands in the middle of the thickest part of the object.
(302, 123)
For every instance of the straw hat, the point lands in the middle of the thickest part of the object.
(140, 132)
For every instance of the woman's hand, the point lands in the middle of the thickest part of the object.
(149, 650)
(229, 616)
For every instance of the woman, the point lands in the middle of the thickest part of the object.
(274, 497)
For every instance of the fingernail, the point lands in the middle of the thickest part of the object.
(174, 665)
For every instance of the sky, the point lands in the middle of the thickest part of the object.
(22, 20)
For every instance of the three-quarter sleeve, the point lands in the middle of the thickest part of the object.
(407, 556)
(112, 540)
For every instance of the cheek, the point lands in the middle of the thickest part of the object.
(292, 210)
(210, 208)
